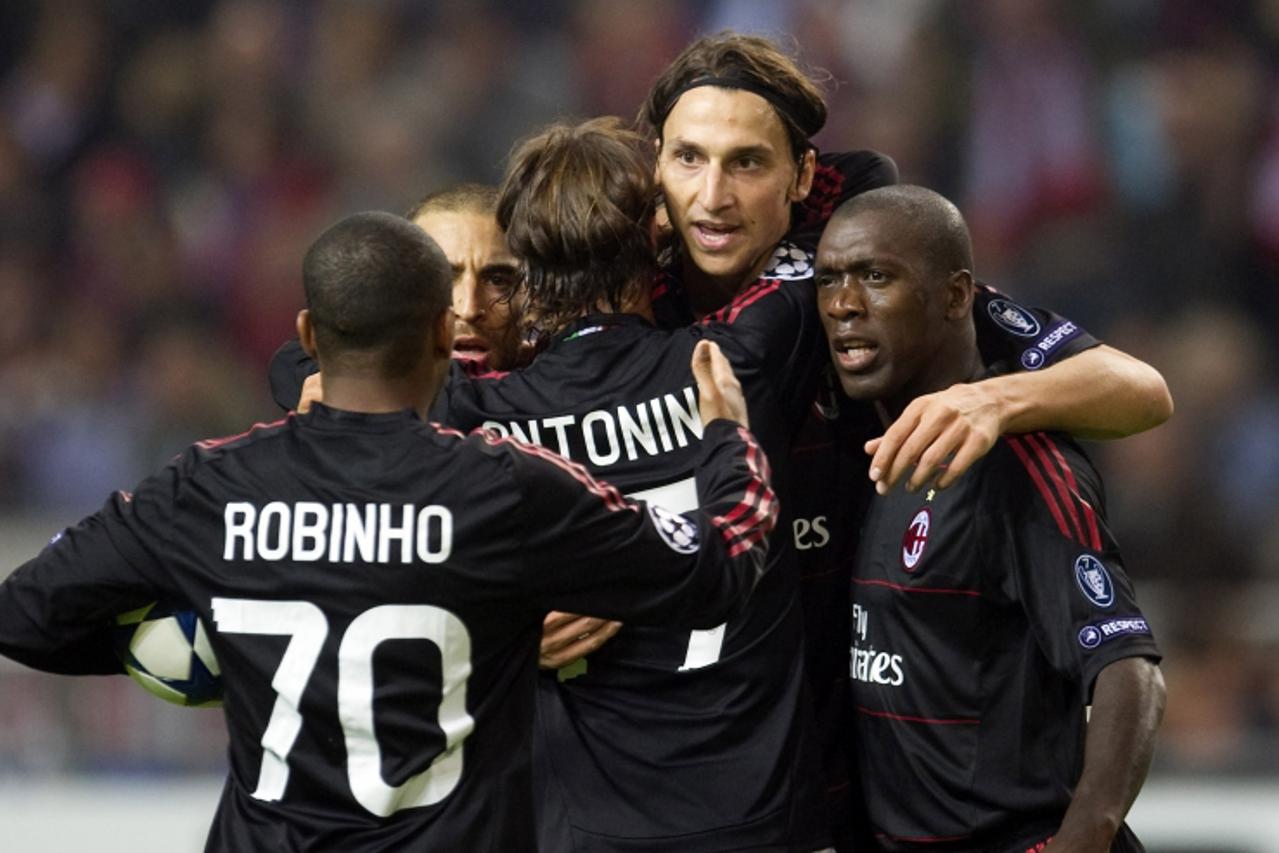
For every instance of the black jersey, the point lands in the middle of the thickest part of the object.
(671, 740)
(375, 588)
(981, 616)
(827, 487)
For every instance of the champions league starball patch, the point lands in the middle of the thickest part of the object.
(679, 533)
(789, 263)
(1094, 581)
(1011, 316)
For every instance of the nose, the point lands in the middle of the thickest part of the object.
(466, 297)
(842, 299)
(715, 192)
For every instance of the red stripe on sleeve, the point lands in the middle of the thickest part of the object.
(1038, 480)
(755, 515)
(1090, 516)
(1065, 493)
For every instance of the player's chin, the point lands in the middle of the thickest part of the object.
(721, 264)
(865, 386)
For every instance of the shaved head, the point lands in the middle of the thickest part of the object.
(935, 225)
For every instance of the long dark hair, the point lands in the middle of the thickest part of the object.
(576, 205)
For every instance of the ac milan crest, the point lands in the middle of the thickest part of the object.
(915, 539)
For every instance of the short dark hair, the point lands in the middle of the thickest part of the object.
(460, 198)
(373, 281)
(760, 65)
(576, 205)
(934, 220)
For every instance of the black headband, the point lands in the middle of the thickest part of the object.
(768, 93)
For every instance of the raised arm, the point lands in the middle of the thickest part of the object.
(1127, 706)
(1099, 393)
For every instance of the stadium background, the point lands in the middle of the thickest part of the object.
(164, 164)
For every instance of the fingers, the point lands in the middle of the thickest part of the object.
(718, 391)
(567, 637)
(938, 437)
(898, 449)
(934, 457)
(702, 371)
(973, 448)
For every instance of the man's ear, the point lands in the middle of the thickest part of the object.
(306, 333)
(804, 178)
(960, 291)
(657, 160)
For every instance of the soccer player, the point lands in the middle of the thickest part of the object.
(747, 196)
(462, 221)
(988, 616)
(670, 740)
(486, 330)
(375, 585)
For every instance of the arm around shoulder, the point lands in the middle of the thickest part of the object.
(1098, 394)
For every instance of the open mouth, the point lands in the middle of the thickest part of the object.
(711, 236)
(854, 355)
(470, 348)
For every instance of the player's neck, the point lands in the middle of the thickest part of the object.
(379, 395)
(639, 300)
(708, 293)
(949, 366)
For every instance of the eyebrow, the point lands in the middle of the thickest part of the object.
(491, 266)
(859, 265)
(733, 153)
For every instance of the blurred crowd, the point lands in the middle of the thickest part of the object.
(163, 166)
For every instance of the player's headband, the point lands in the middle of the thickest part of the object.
(766, 92)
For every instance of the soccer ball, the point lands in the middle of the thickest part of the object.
(167, 651)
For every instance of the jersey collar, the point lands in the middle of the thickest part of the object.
(594, 323)
(327, 417)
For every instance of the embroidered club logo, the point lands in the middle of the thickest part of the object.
(1094, 581)
(1032, 359)
(677, 532)
(915, 539)
(789, 263)
(1014, 318)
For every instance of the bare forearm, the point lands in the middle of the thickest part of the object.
(1100, 393)
(1128, 704)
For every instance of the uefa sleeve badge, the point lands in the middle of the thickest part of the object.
(1094, 581)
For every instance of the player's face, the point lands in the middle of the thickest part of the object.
(484, 276)
(729, 178)
(882, 312)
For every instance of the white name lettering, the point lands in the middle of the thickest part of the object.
(343, 533)
(607, 436)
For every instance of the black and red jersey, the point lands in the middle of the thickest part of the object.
(671, 740)
(822, 482)
(981, 616)
(374, 589)
(826, 488)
